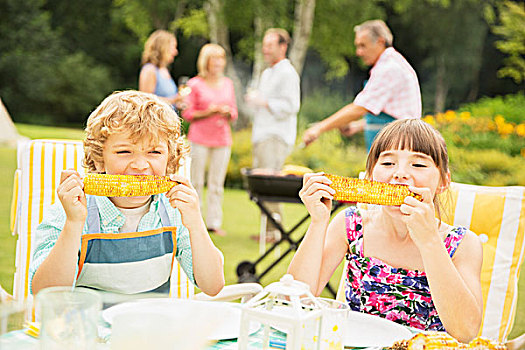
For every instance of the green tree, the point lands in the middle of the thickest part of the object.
(511, 28)
(40, 80)
(449, 37)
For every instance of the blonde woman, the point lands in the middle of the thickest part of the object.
(211, 109)
(159, 52)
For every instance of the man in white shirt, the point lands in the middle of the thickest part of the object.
(276, 103)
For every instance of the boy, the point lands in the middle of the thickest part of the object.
(128, 243)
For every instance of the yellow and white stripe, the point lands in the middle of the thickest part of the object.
(40, 163)
(497, 216)
(180, 285)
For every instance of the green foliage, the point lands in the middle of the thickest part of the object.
(511, 106)
(489, 167)
(443, 33)
(512, 31)
(329, 153)
(318, 106)
(333, 36)
(40, 79)
(79, 87)
(144, 16)
(241, 157)
(194, 24)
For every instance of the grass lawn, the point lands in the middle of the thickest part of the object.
(241, 220)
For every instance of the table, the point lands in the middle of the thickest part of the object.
(19, 340)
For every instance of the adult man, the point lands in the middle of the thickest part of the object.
(276, 104)
(392, 92)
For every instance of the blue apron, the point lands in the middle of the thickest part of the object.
(374, 124)
(131, 262)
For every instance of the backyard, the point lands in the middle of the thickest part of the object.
(241, 220)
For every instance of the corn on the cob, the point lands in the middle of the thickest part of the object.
(434, 341)
(126, 185)
(365, 191)
(443, 341)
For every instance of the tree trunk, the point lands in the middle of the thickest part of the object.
(258, 63)
(440, 97)
(220, 34)
(179, 11)
(304, 20)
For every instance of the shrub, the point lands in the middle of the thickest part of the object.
(329, 154)
(510, 106)
(486, 148)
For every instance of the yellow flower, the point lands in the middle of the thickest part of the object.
(450, 116)
(465, 116)
(499, 119)
(520, 130)
(429, 119)
(505, 129)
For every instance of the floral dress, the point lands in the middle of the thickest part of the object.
(374, 287)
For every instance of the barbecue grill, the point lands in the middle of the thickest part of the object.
(263, 187)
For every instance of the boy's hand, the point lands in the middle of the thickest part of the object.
(184, 197)
(71, 194)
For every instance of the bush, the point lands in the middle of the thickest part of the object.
(481, 131)
(486, 167)
(329, 154)
(318, 106)
(510, 106)
(484, 149)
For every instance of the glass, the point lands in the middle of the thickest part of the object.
(184, 89)
(335, 315)
(69, 318)
(12, 315)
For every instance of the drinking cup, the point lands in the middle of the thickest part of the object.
(68, 318)
(12, 315)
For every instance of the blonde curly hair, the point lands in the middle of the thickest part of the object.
(139, 114)
(157, 49)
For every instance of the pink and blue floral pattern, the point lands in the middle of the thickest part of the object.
(374, 287)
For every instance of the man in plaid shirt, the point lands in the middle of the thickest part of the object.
(392, 92)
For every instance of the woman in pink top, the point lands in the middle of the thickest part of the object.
(211, 109)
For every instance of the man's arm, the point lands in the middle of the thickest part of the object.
(340, 118)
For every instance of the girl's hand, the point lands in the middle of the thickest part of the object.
(184, 197)
(317, 196)
(71, 194)
(420, 217)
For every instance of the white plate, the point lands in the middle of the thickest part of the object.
(227, 316)
(365, 330)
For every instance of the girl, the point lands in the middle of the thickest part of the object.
(403, 263)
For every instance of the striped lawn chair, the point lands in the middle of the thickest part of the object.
(40, 163)
(497, 216)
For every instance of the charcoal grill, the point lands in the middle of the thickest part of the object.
(269, 187)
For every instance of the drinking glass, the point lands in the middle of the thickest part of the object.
(12, 315)
(68, 318)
